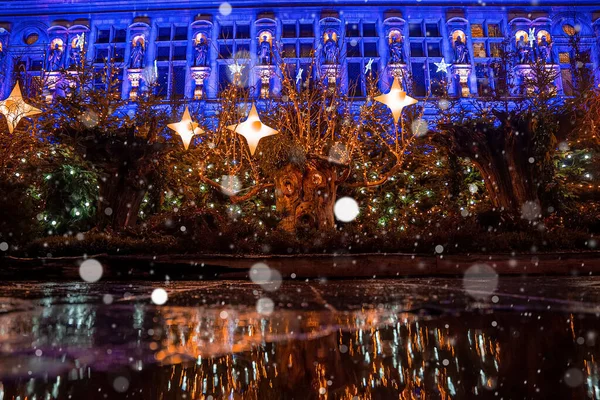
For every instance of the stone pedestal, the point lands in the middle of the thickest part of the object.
(72, 81)
(52, 83)
(331, 72)
(199, 74)
(399, 71)
(462, 72)
(134, 75)
(555, 70)
(525, 73)
(265, 73)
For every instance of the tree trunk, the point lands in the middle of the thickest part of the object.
(497, 183)
(502, 156)
(127, 164)
(121, 196)
(506, 175)
(305, 196)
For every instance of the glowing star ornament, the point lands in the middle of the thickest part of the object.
(14, 108)
(369, 66)
(442, 66)
(252, 129)
(186, 128)
(396, 99)
(531, 37)
(299, 76)
(235, 68)
(80, 41)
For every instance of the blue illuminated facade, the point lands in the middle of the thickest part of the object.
(191, 49)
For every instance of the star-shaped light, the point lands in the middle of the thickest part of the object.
(235, 68)
(369, 66)
(186, 128)
(531, 36)
(396, 99)
(299, 75)
(442, 66)
(252, 129)
(14, 108)
(80, 42)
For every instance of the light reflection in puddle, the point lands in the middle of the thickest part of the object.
(132, 349)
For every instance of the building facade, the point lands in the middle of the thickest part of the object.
(191, 49)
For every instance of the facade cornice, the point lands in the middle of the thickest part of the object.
(50, 7)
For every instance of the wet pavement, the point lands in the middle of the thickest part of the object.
(425, 338)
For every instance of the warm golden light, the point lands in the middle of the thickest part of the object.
(396, 99)
(186, 128)
(256, 126)
(14, 108)
(252, 129)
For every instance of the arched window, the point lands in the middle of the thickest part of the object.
(31, 38)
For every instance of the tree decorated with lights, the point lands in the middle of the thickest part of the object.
(89, 157)
(511, 135)
(22, 156)
(305, 145)
(122, 143)
(45, 179)
(577, 166)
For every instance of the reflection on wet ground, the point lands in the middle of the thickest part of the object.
(380, 339)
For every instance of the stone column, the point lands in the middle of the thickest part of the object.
(253, 48)
(212, 88)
